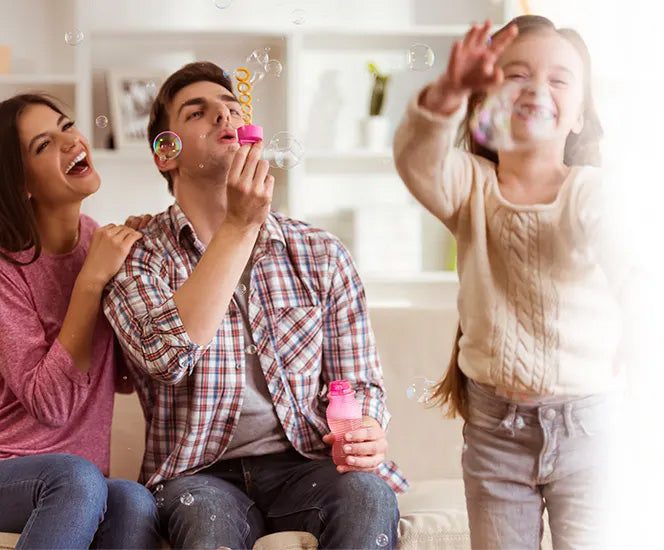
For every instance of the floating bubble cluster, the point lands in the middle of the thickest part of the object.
(514, 116)
(421, 389)
(284, 151)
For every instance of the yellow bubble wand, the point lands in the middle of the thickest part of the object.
(249, 133)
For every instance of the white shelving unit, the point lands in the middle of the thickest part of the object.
(328, 54)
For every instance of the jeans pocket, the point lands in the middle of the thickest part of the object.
(484, 420)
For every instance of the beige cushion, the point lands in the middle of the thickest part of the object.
(8, 540)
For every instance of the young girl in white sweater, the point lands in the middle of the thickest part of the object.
(540, 272)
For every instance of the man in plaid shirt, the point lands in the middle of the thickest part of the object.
(233, 320)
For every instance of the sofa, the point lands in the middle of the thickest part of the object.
(414, 343)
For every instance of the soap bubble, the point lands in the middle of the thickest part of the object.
(223, 4)
(421, 388)
(74, 38)
(420, 57)
(187, 499)
(513, 116)
(167, 145)
(257, 73)
(101, 121)
(274, 67)
(284, 151)
(298, 16)
(382, 540)
(260, 56)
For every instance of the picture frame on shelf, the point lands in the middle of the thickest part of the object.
(130, 94)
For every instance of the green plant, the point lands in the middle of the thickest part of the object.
(378, 90)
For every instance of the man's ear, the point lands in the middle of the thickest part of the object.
(163, 164)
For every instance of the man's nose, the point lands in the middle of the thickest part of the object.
(223, 114)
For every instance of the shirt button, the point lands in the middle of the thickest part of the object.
(242, 288)
(550, 414)
(278, 246)
(238, 366)
(250, 349)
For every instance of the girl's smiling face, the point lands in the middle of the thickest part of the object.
(549, 72)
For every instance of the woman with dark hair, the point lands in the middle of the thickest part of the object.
(58, 359)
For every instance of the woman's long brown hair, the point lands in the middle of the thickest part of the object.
(580, 149)
(18, 226)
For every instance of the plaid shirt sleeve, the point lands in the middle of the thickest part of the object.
(142, 311)
(349, 348)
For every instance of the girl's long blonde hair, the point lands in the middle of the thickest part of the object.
(580, 149)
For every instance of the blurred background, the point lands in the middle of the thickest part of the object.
(105, 59)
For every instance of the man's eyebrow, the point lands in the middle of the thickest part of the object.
(202, 101)
(44, 134)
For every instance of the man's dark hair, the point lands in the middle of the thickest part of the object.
(200, 71)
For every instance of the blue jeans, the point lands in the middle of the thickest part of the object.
(521, 459)
(234, 502)
(63, 501)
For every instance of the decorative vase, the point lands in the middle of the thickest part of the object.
(374, 132)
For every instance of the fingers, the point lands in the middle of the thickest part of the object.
(502, 39)
(364, 462)
(483, 35)
(138, 222)
(369, 433)
(252, 161)
(238, 163)
(260, 176)
(328, 439)
(453, 66)
(368, 448)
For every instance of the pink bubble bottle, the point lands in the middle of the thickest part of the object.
(344, 414)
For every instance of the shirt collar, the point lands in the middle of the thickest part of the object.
(271, 237)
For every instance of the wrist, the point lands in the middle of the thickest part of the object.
(442, 98)
(239, 230)
(89, 283)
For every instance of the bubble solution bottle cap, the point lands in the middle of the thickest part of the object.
(249, 133)
(340, 388)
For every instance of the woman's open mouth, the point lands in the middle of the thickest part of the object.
(78, 166)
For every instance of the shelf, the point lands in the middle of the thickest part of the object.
(362, 161)
(129, 154)
(46, 79)
(421, 277)
(414, 31)
(352, 154)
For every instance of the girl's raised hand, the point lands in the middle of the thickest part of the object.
(472, 67)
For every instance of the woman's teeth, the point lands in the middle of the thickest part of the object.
(76, 159)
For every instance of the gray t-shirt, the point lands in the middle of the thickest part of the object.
(259, 431)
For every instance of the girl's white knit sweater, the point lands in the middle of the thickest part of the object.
(538, 283)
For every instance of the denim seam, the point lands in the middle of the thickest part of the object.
(299, 511)
(32, 518)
